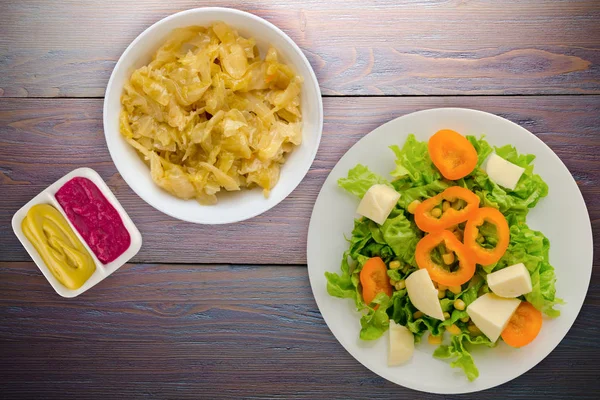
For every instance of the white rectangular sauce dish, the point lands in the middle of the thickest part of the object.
(102, 270)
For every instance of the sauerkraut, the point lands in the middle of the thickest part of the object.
(209, 113)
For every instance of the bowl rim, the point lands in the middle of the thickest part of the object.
(304, 168)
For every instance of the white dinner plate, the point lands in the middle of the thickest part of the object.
(562, 216)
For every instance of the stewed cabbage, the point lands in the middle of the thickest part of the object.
(209, 113)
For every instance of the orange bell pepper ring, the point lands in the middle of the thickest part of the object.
(374, 279)
(441, 274)
(428, 223)
(485, 256)
(452, 154)
(524, 326)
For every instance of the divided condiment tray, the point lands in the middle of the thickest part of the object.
(102, 271)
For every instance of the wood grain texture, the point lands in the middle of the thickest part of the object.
(204, 331)
(43, 139)
(69, 48)
(197, 330)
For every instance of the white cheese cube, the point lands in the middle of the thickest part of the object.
(402, 344)
(378, 203)
(423, 294)
(491, 314)
(503, 172)
(512, 281)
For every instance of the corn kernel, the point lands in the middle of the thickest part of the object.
(417, 315)
(456, 205)
(459, 235)
(445, 206)
(446, 315)
(393, 282)
(465, 319)
(448, 258)
(400, 285)
(474, 329)
(459, 305)
(434, 339)
(441, 294)
(480, 238)
(395, 264)
(441, 287)
(436, 213)
(453, 329)
(413, 206)
(455, 289)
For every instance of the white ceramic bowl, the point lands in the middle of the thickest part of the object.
(232, 206)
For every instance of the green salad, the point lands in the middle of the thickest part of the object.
(475, 312)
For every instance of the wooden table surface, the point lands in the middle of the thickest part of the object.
(227, 311)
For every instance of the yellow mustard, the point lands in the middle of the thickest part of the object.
(62, 252)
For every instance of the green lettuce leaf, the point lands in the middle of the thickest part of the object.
(468, 295)
(360, 179)
(402, 312)
(455, 319)
(543, 296)
(469, 291)
(526, 246)
(344, 285)
(367, 241)
(402, 236)
(509, 153)
(514, 204)
(531, 187)
(361, 237)
(532, 248)
(408, 195)
(413, 164)
(376, 321)
(401, 273)
(482, 147)
(462, 358)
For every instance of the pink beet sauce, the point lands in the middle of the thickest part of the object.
(95, 218)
